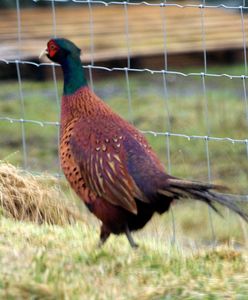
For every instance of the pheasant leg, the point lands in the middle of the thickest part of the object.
(130, 238)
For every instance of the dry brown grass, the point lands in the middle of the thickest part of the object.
(38, 199)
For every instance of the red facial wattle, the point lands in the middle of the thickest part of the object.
(52, 48)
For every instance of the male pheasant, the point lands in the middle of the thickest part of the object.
(109, 163)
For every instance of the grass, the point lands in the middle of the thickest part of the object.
(58, 259)
(52, 262)
(55, 258)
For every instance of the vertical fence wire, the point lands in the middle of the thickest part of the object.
(203, 34)
(245, 99)
(127, 38)
(246, 143)
(210, 215)
(18, 17)
(164, 74)
(207, 151)
(163, 17)
(166, 103)
(244, 38)
(205, 100)
(19, 78)
(245, 61)
(172, 214)
(23, 130)
(54, 24)
(54, 18)
(242, 222)
(130, 107)
(206, 110)
(204, 49)
(127, 35)
(92, 44)
(244, 229)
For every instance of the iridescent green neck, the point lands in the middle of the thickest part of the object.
(74, 77)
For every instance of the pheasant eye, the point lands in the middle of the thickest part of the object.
(52, 50)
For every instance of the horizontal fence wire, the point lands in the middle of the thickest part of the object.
(124, 69)
(154, 133)
(163, 4)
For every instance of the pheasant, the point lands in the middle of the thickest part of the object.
(109, 163)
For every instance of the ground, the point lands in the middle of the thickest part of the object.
(52, 262)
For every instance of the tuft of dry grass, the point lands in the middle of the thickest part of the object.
(38, 199)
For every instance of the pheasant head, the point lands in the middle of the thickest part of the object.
(67, 54)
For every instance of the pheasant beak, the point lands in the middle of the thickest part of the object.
(43, 53)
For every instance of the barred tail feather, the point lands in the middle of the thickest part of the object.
(211, 197)
(205, 193)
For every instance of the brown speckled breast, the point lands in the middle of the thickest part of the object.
(70, 168)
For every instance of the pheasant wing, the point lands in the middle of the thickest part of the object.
(100, 153)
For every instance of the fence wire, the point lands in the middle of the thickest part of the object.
(157, 3)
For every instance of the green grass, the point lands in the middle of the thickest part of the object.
(51, 262)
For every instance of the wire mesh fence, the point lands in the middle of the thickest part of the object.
(24, 120)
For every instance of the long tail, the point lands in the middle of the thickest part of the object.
(207, 193)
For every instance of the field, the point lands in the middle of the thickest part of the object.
(62, 261)
(50, 262)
